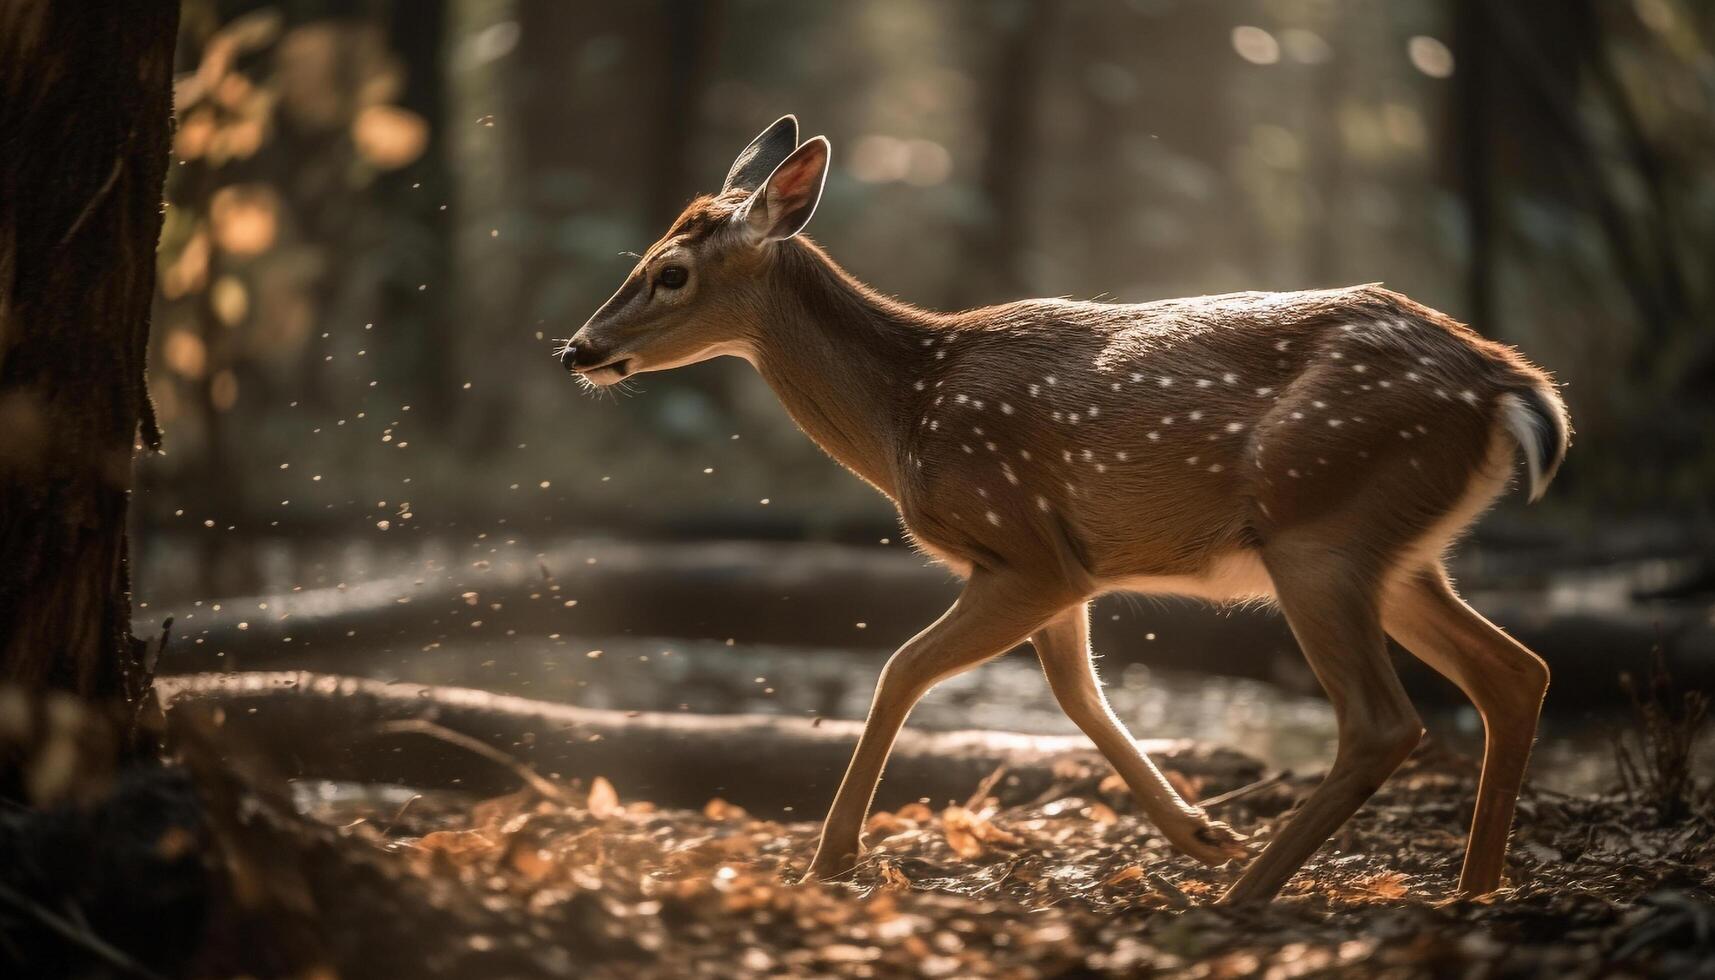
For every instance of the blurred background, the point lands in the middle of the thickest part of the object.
(383, 214)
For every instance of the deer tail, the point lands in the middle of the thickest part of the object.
(1536, 417)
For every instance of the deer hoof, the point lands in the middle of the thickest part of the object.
(1214, 843)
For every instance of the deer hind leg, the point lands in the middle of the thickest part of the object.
(1063, 646)
(995, 612)
(1506, 682)
(1331, 597)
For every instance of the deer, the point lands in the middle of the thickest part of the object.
(1317, 450)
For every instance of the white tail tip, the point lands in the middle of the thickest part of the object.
(1536, 418)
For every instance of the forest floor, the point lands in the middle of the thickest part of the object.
(218, 865)
(1069, 883)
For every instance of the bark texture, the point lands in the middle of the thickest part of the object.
(85, 127)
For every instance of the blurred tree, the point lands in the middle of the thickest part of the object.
(85, 109)
(417, 218)
(995, 241)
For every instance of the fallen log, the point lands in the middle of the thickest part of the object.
(332, 727)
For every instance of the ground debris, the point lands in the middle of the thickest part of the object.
(1072, 884)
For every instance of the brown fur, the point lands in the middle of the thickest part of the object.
(1320, 448)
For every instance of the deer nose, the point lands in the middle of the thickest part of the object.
(581, 353)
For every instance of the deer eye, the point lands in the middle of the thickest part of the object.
(673, 276)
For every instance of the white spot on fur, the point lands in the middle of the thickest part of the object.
(1235, 426)
(1041, 503)
(1005, 409)
(1264, 392)
(1154, 436)
(1195, 415)
(993, 518)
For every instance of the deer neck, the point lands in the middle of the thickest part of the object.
(841, 358)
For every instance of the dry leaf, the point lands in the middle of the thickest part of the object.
(915, 812)
(967, 832)
(892, 878)
(1125, 875)
(719, 809)
(604, 799)
(884, 824)
(1386, 885)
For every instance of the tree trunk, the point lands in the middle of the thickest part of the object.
(1471, 37)
(331, 727)
(996, 242)
(85, 110)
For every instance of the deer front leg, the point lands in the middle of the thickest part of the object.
(1064, 649)
(995, 612)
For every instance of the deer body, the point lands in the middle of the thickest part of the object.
(1320, 449)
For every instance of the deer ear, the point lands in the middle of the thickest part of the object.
(756, 161)
(782, 206)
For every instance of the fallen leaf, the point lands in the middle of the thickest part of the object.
(604, 799)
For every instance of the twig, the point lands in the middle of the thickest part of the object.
(530, 777)
(81, 936)
(400, 813)
(1246, 790)
(985, 787)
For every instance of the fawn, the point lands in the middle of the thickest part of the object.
(1316, 449)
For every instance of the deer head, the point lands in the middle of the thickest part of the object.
(692, 295)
